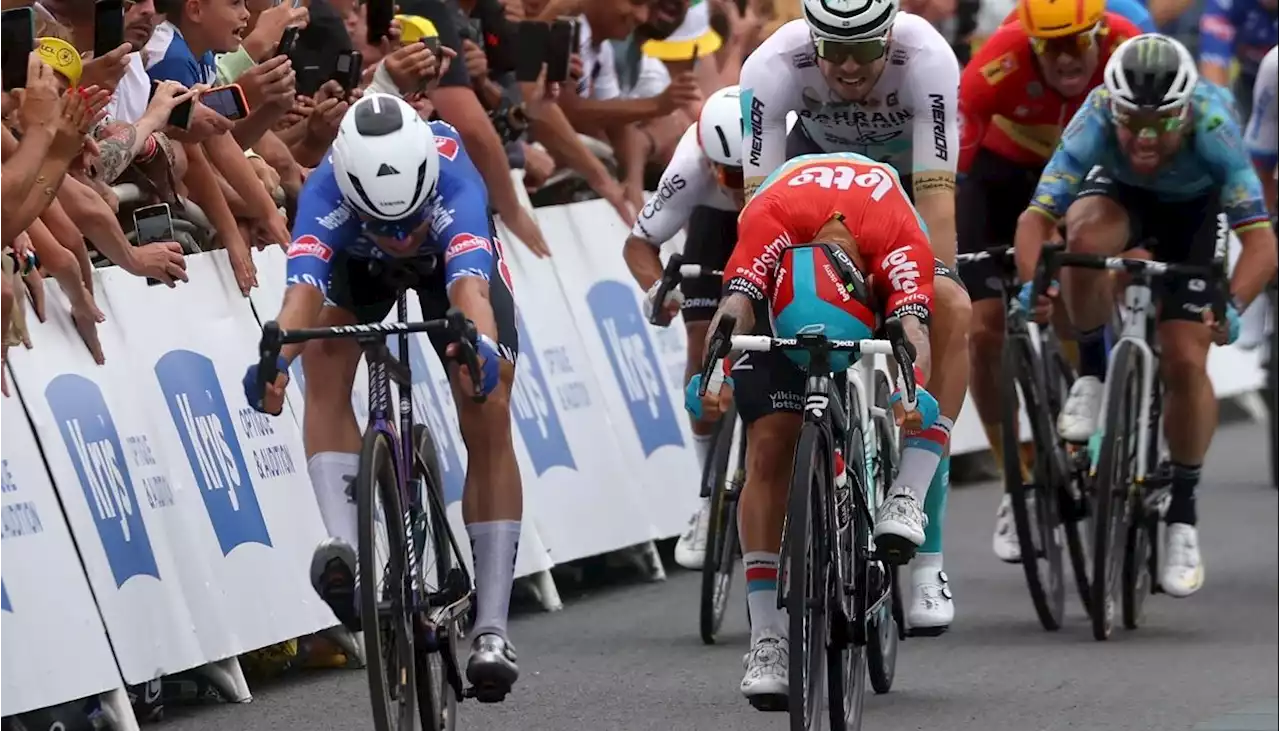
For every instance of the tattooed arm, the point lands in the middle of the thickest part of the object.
(121, 142)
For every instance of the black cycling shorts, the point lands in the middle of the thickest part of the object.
(991, 197)
(1179, 232)
(367, 288)
(710, 241)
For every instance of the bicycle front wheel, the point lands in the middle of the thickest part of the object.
(439, 680)
(885, 628)
(388, 630)
(1035, 506)
(722, 531)
(1112, 480)
(806, 587)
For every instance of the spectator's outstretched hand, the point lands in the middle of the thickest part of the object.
(477, 63)
(107, 71)
(168, 95)
(271, 83)
(538, 166)
(683, 91)
(75, 118)
(205, 123)
(744, 25)
(271, 23)
(331, 106)
(414, 66)
(161, 260)
(40, 103)
(613, 192)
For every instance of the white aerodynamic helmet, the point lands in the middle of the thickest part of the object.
(850, 20)
(385, 158)
(720, 127)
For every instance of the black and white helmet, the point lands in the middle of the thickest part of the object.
(850, 20)
(1151, 72)
(385, 158)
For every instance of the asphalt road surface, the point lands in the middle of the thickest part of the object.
(628, 657)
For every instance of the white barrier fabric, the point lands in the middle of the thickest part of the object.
(195, 518)
(47, 613)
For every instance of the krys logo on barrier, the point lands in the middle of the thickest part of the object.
(200, 414)
(4, 599)
(617, 315)
(430, 409)
(535, 412)
(94, 448)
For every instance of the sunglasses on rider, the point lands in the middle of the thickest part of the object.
(860, 52)
(729, 177)
(1138, 122)
(1075, 44)
(398, 230)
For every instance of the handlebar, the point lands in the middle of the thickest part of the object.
(991, 252)
(894, 344)
(672, 274)
(454, 326)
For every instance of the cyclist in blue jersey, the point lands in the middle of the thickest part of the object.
(397, 202)
(1154, 155)
(1134, 12)
(1241, 30)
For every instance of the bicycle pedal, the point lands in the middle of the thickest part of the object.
(769, 702)
(487, 693)
(927, 631)
(894, 550)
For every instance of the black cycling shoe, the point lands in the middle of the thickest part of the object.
(333, 577)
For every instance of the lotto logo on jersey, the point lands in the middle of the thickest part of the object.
(310, 246)
(463, 243)
(447, 147)
(901, 270)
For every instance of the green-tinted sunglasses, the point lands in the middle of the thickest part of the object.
(860, 52)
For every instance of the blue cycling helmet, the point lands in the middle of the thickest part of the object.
(819, 290)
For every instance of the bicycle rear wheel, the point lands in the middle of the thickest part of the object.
(1139, 561)
(807, 584)
(1117, 462)
(436, 658)
(1035, 506)
(722, 531)
(1072, 508)
(388, 629)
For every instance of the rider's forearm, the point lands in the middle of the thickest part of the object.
(918, 335)
(471, 295)
(938, 209)
(739, 306)
(1257, 264)
(1034, 228)
(301, 308)
(642, 259)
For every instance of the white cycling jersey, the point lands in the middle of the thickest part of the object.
(1261, 134)
(688, 182)
(908, 120)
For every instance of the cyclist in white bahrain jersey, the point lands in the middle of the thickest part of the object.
(1260, 134)
(864, 78)
(701, 187)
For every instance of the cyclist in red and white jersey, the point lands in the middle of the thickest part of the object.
(860, 206)
(701, 188)
(864, 78)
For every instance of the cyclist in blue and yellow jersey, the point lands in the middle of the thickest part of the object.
(1154, 154)
(397, 202)
(1241, 31)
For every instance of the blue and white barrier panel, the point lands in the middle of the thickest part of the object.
(193, 515)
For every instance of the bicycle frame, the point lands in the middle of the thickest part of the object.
(1135, 315)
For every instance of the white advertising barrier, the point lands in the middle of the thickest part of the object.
(645, 407)
(47, 614)
(579, 489)
(432, 401)
(194, 519)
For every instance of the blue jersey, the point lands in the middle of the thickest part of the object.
(459, 231)
(1134, 12)
(1213, 157)
(1240, 29)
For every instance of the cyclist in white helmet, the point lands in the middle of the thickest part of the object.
(701, 187)
(396, 202)
(863, 77)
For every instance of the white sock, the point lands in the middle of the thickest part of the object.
(921, 453)
(701, 448)
(767, 620)
(493, 547)
(332, 475)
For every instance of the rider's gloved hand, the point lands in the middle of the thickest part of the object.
(719, 403)
(488, 352)
(255, 392)
(669, 307)
(1043, 306)
(926, 406)
(1233, 324)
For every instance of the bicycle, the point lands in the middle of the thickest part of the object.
(411, 644)
(1130, 480)
(719, 485)
(1032, 363)
(838, 592)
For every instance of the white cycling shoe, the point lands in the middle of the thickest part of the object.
(765, 682)
(932, 607)
(691, 549)
(900, 524)
(1004, 542)
(1183, 572)
(1079, 418)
